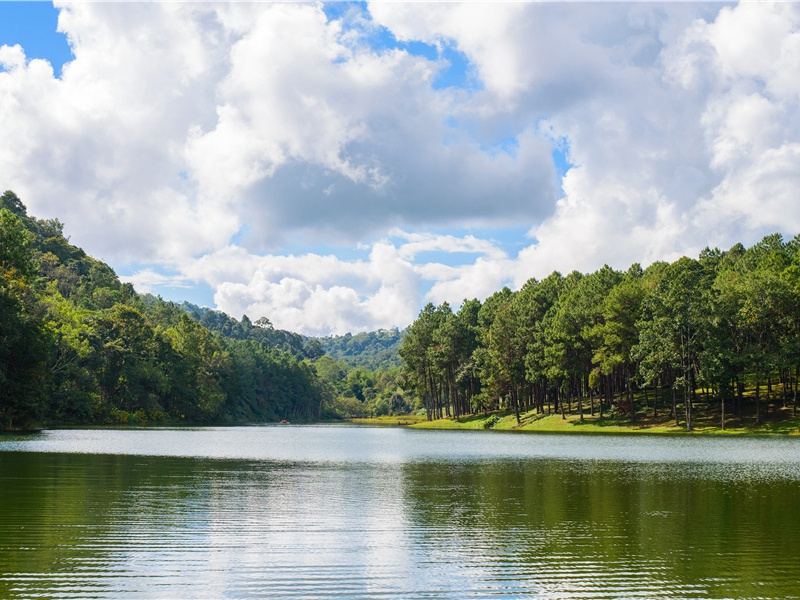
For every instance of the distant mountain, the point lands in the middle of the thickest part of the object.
(260, 331)
(373, 350)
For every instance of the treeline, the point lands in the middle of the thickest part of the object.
(357, 375)
(722, 330)
(78, 346)
(372, 350)
(261, 331)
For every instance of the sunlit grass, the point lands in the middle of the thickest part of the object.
(393, 420)
(705, 421)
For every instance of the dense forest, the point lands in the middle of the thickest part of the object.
(365, 375)
(373, 349)
(77, 346)
(721, 331)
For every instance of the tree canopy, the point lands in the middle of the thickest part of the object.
(79, 346)
(702, 330)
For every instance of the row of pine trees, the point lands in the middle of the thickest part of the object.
(721, 331)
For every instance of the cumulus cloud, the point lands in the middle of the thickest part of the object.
(322, 294)
(751, 121)
(201, 141)
(213, 117)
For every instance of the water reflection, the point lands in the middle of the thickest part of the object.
(414, 519)
(554, 531)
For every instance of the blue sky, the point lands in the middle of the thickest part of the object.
(33, 26)
(335, 166)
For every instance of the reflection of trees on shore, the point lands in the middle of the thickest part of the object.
(553, 527)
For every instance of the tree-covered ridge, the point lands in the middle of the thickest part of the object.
(261, 331)
(373, 350)
(722, 330)
(79, 346)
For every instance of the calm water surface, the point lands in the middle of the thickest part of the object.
(348, 512)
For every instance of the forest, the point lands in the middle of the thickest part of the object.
(77, 346)
(721, 332)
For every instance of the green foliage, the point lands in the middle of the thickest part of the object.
(16, 254)
(704, 330)
(11, 202)
(373, 350)
(261, 331)
(359, 392)
(78, 346)
(23, 338)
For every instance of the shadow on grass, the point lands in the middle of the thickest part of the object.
(784, 427)
(473, 418)
(642, 423)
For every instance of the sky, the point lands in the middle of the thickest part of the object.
(336, 166)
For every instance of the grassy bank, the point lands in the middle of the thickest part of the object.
(778, 422)
(412, 420)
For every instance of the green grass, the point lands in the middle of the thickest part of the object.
(478, 421)
(705, 421)
(393, 420)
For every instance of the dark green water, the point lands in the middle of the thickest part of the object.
(323, 512)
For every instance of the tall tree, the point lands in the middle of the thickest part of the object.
(673, 326)
(614, 332)
(23, 341)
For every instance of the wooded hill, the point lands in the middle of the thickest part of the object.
(78, 346)
(373, 350)
(722, 330)
(261, 331)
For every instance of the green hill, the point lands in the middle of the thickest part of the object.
(77, 346)
(373, 350)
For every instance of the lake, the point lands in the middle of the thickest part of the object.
(356, 512)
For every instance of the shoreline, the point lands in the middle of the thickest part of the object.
(785, 426)
(780, 423)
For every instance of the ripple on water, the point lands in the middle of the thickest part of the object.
(286, 513)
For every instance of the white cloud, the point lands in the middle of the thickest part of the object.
(181, 127)
(320, 294)
(177, 124)
(489, 36)
(417, 243)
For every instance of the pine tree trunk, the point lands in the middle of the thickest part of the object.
(784, 379)
(631, 401)
(655, 397)
(675, 406)
(689, 413)
(758, 403)
(600, 399)
(740, 396)
(768, 399)
(611, 390)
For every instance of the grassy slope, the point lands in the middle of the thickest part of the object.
(777, 422)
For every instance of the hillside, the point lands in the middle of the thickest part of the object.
(77, 346)
(261, 331)
(373, 350)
